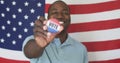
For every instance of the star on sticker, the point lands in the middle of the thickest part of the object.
(26, 3)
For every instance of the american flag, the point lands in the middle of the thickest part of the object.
(95, 23)
(16, 23)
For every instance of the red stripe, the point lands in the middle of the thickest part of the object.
(91, 8)
(108, 61)
(3, 60)
(101, 25)
(102, 45)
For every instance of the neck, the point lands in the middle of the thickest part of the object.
(62, 36)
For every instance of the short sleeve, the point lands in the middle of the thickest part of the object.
(26, 40)
(85, 56)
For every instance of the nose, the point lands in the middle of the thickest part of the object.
(60, 15)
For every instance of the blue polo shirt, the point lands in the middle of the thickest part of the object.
(71, 51)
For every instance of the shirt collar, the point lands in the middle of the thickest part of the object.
(68, 41)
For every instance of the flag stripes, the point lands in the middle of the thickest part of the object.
(4, 60)
(92, 26)
(102, 45)
(104, 55)
(83, 8)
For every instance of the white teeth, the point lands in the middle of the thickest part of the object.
(61, 22)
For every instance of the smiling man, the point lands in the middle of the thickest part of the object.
(46, 47)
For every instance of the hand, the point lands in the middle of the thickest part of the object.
(42, 36)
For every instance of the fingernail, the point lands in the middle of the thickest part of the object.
(48, 34)
(44, 27)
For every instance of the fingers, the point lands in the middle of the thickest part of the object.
(38, 28)
(41, 31)
(38, 31)
(42, 19)
(41, 41)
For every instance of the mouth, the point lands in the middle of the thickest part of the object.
(61, 22)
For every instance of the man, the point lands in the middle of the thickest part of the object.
(46, 47)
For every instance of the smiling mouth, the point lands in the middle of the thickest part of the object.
(61, 22)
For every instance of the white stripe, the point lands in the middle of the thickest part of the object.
(73, 2)
(94, 17)
(100, 35)
(14, 55)
(104, 55)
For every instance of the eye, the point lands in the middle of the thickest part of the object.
(66, 12)
(54, 12)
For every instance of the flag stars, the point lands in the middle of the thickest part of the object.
(8, 34)
(2, 40)
(8, 22)
(20, 10)
(8, 9)
(13, 3)
(32, 10)
(2, 1)
(20, 36)
(26, 17)
(26, 3)
(19, 23)
(31, 24)
(38, 17)
(2, 15)
(39, 4)
(3, 27)
(13, 42)
(25, 30)
(14, 16)
(14, 28)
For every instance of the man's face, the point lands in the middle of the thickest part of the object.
(61, 12)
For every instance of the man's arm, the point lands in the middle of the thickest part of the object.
(32, 50)
(35, 47)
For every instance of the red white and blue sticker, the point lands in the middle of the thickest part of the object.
(53, 25)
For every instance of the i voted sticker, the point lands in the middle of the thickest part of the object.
(53, 25)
